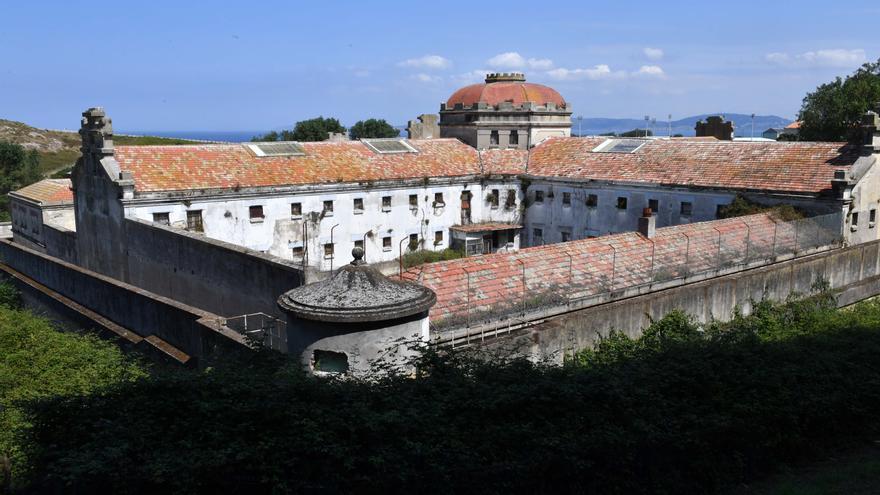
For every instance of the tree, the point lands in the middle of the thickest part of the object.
(317, 129)
(833, 111)
(373, 128)
(18, 168)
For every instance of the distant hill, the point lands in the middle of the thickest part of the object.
(59, 149)
(685, 126)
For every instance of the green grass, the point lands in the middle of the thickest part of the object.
(58, 164)
(149, 141)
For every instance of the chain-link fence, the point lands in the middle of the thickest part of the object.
(563, 274)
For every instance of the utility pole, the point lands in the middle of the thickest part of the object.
(580, 119)
(670, 125)
(753, 127)
(647, 121)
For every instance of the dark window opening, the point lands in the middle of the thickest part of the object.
(686, 208)
(413, 242)
(566, 199)
(386, 243)
(493, 198)
(654, 205)
(330, 362)
(438, 199)
(256, 212)
(566, 236)
(297, 252)
(359, 244)
(514, 138)
(493, 138)
(510, 202)
(872, 216)
(621, 203)
(413, 201)
(194, 221)
(296, 209)
(438, 237)
(538, 234)
(161, 218)
(359, 204)
(592, 200)
(386, 201)
(855, 218)
(539, 196)
(328, 206)
(328, 250)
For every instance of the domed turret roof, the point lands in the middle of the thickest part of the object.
(503, 87)
(357, 293)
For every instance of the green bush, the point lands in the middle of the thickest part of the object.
(685, 408)
(10, 297)
(423, 256)
(741, 206)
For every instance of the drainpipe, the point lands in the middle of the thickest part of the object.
(333, 254)
(365, 244)
(400, 246)
(305, 249)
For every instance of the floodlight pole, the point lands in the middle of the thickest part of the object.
(647, 121)
(580, 119)
(670, 125)
(753, 127)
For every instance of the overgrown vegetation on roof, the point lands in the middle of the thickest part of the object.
(423, 256)
(742, 206)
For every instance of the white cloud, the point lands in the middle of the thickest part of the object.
(470, 77)
(425, 78)
(513, 60)
(650, 71)
(601, 71)
(820, 58)
(653, 53)
(427, 62)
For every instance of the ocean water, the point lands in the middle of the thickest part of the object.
(224, 136)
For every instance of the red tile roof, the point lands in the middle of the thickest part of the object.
(788, 167)
(785, 167)
(594, 266)
(219, 166)
(47, 192)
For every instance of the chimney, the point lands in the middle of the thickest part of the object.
(647, 223)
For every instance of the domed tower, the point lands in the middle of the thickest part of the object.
(505, 112)
(354, 317)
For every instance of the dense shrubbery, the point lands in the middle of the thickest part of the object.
(682, 409)
(422, 256)
(741, 206)
(37, 361)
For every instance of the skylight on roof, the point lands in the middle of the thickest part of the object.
(620, 146)
(392, 145)
(284, 148)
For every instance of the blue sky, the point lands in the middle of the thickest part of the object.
(257, 65)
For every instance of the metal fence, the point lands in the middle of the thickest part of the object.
(579, 271)
(262, 328)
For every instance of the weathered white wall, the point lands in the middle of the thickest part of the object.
(865, 198)
(226, 217)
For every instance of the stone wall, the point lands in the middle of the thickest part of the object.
(216, 276)
(853, 272)
(60, 242)
(192, 330)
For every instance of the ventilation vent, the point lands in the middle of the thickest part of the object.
(285, 148)
(620, 146)
(393, 145)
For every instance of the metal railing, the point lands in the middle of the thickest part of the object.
(267, 330)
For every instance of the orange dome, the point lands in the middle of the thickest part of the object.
(505, 87)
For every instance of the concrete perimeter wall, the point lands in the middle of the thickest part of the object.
(216, 276)
(852, 272)
(60, 242)
(190, 329)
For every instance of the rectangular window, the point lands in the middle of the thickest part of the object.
(621, 203)
(566, 199)
(386, 203)
(328, 250)
(872, 217)
(194, 221)
(413, 242)
(438, 237)
(493, 198)
(296, 209)
(538, 234)
(386, 244)
(686, 208)
(163, 218)
(566, 236)
(510, 202)
(328, 208)
(438, 199)
(297, 253)
(654, 205)
(855, 219)
(413, 201)
(539, 196)
(592, 200)
(359, 244)
(493, 138)
(256, 212)
(514, 138)
(358, 205)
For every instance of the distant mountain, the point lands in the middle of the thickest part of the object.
(742, 124)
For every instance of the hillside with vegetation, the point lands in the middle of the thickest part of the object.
(685, 408)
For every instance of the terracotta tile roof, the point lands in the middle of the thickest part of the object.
(485, 227)
(785, 167)
(504, 162)
(219, 166)
(47, 192)
(593, 266)
(789, 167)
